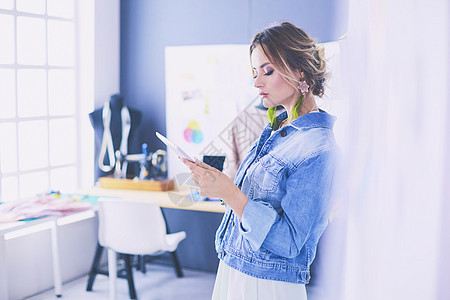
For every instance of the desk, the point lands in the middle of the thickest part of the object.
(47, 227)
(176, 199)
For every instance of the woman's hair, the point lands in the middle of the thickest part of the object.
(290, 49)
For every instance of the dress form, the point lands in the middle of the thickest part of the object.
(116, 104)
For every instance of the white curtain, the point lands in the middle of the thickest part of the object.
(391, 236)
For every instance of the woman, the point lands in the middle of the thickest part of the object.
(277, 206)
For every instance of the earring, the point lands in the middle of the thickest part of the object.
(303, 87)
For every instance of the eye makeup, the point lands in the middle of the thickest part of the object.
(267, 71)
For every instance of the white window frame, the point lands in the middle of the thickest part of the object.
(84, 95)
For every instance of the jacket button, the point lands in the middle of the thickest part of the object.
(283, 133)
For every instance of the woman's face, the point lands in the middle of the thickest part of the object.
(273, 88)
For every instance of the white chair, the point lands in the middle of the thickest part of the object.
(133, 228)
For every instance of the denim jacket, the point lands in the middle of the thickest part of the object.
(287, 177)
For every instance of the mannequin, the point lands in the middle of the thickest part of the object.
(113, 114)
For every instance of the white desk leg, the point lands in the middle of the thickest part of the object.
(56, 263)
(3, 270)
(112, 273)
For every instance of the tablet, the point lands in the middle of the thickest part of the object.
(174, 147)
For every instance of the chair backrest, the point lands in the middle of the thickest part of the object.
(132, 227)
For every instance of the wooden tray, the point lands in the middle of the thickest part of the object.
(130, 184)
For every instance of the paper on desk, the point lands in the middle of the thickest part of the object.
(41, 206)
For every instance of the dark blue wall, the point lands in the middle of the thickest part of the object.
(148, 26)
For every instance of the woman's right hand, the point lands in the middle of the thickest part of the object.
(215, 184)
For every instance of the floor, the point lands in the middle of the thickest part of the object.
(158, 283)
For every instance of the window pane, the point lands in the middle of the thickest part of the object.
(7, 4)
(33, 184)
(8, 147)
(62, 142)
(31, 6)
(32, 93)
(10, 189)
(64, 179)
(61, 43)
(61, 92)
(61, 8)
(31, 41)
(7, 93)
(7, 39)
(33, 145)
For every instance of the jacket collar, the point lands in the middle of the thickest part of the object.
(311, 120)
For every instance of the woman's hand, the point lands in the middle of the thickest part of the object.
(212, 182)
(215, 184)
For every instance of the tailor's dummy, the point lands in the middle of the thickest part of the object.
(116, 128)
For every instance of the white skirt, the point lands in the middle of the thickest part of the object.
(234, 285)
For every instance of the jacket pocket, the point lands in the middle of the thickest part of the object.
(267, 173)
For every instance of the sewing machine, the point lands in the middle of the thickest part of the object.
(152, 165)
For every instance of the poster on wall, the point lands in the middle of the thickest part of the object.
(206, 87)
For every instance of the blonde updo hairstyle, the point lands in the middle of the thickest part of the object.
(290, 49)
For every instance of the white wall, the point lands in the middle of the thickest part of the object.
(107, 50)
(99, 59)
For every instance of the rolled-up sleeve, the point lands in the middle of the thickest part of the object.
(308, 190)
(257, 219)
